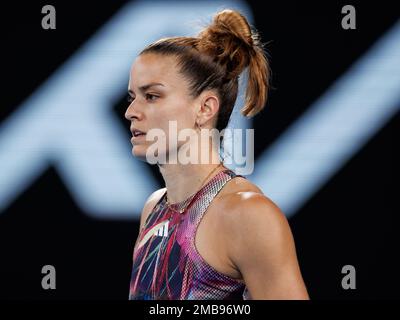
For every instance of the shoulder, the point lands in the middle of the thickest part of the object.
(240, 195)
(253, 223)
(258, 242)
(150, 204)
(251, 208)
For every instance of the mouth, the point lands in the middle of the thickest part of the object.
(137, 133)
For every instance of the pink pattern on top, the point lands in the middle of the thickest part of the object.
(168, 266)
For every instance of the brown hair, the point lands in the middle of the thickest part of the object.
(215, 59)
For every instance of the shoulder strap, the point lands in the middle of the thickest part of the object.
(207, 194)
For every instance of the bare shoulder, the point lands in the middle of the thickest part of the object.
(150, 204)
(246, 211)
(251, 208)
(260, 245)
(240, 193)
(233, 188)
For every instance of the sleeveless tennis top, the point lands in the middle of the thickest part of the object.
(166, 263)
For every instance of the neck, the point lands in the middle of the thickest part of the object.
(183, 180)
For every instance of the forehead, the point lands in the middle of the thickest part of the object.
(150, 67)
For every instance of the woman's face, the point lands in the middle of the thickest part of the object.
(159, 94)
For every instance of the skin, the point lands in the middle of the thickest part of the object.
(155, 107)
(243, 233)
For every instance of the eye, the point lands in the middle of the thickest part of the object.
(129, 98)
(151, 97)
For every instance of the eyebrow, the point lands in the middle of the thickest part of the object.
(147, 86)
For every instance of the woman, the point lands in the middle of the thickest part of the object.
(209, 234)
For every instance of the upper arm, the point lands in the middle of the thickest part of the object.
(263, 250)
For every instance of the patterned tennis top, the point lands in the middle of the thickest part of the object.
(166, 263)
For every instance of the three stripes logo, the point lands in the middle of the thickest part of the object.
(160, 230)
(163, 230)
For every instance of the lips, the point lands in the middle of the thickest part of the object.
(137, 133)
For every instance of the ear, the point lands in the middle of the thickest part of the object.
(209, 106)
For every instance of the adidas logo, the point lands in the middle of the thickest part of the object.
(163, 230)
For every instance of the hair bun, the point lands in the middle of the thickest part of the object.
(229, 41)
(235, 23)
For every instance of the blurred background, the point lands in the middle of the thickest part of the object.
(325, 150)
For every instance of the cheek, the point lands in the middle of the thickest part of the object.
(179, 114)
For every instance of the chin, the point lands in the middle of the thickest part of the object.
(139, 152)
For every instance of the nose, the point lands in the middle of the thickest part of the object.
(132, 113)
